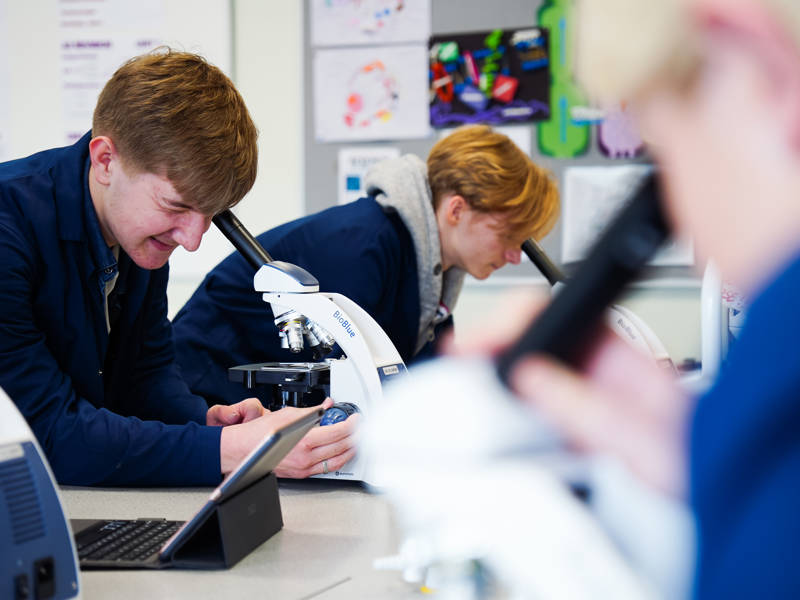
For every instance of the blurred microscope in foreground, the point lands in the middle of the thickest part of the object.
(491, 502)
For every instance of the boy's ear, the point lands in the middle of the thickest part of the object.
(454, 206)
(102, 154)
(759, 31)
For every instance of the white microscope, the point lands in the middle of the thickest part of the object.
(304, 315)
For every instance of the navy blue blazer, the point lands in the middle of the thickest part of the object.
(745, 456)
(359, 250)
(106, 409)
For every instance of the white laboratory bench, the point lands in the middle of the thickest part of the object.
(332, 532)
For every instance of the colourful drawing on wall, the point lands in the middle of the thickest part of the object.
(354, 22)
(493, 77)
(370, 93)
(617, 135)
(560, 136)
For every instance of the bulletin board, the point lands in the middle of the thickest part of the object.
(597, 148)
(498, 76)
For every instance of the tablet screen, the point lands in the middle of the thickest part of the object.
(266, 456)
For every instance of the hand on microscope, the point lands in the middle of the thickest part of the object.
(241, 412)
(323, 449)
(332, 445)
(620, 403)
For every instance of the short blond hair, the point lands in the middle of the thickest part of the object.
(494, 176)
(622, 47)
(173, 114)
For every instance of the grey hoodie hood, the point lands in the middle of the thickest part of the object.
(402, 183)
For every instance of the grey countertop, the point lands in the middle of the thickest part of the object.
(332, 532)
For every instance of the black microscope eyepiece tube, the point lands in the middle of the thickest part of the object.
(546, 266)
(241, 239)
(565, 326)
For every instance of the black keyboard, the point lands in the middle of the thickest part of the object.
(124, 541)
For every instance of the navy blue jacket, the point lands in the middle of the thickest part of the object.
(106, 409)
(745, 457)
(359, 250)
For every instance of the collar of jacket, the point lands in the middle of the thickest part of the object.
(75, 213)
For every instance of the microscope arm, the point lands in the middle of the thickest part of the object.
(371, 356)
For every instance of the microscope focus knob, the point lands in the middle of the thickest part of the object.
(339, 412)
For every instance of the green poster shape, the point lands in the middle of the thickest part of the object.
(559, 136)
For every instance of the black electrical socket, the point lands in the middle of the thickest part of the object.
(44, 583)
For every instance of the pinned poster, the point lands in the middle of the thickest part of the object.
(375, 93)
(357, 22)
(96, 37)
(493, 77)
(353, 164)
(617, 135)
(592, 196)
(560, 136)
